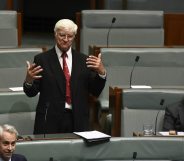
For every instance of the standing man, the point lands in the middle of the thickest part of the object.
(8, 138)
(65, 79)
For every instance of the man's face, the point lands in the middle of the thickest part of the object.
(7, 145)
(64, 38)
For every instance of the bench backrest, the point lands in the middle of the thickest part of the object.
(8, 29)
(141, 106)
(13, 65)
(130, 109)
(19, 110)
(130, 28)
(156, 67)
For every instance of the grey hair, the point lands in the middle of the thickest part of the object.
(8, 128)
(66, 23)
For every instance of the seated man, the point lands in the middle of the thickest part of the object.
(8, 138)
(174, 117)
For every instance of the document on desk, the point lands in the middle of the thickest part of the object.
(166, 133)
(16, 89)
(92, 136)
(140, 86)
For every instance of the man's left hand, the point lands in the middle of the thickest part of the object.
(96, 64)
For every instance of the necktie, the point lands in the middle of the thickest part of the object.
(67, 76)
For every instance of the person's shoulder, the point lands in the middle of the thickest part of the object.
(46, 52)
(18, 157)
(79, 54)
(175, 106)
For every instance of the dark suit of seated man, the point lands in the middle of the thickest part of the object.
(174, 117)
(8, 138)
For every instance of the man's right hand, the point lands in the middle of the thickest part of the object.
(32, 72)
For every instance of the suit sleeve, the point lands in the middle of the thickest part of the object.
(169, 120)
(97, 84)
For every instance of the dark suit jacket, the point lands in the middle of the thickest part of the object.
(18, 157)
(174, 117)
(52, 90)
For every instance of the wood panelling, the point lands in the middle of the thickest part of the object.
(9, 4)
(174, 29)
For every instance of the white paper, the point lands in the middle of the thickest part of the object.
(180, 133)
(140, 86)
(166, 133)
(92, 134)
(16, 88)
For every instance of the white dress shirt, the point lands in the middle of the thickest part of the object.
(3, 160)
(69, 64)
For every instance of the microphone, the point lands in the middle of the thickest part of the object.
(134, 155)
(45, 118)
(113, 20)
(136, 60)
(51, 159)
(161, 104)
(29, 138)
(19, 137)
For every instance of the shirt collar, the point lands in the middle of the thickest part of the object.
(3, 160)
(59, 52)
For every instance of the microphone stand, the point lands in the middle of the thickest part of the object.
(134, 155)
(136, 60)
(113, 20)
(45, 119)
(161, 104)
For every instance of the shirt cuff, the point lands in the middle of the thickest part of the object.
(28, 85)
(103, 76)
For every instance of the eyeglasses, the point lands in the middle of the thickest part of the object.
(63, 36)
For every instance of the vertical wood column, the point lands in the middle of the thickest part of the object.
(9, 5)
(92, 4)
(115, 106)
(97, 4)
(77, 37)
(174, 29)
(124, 4)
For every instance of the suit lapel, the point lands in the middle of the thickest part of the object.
(13, 157)
(75, 72)
(56, 69)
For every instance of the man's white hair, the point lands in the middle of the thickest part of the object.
(8, 128)
(66, 23)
